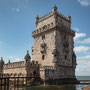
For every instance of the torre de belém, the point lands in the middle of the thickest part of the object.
(52, 51)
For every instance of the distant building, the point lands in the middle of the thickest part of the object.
(52, 52)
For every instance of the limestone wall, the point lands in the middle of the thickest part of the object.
(16, 71)
(45, 21)
(50, 45)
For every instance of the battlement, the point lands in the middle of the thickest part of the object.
(64, 17)
(51, 14)
(43, 29)
(50, 26)
(45, 17)
(51, 20)
(14, 65)
(20, 64)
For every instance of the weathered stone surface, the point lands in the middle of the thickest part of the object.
(53, 57)
(21, 68)
(57, 58)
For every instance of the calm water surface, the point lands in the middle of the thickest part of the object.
(60, 87)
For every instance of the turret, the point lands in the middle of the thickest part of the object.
(54, 10)
(8, 61)
(1, 65)
(37, 18)
(27, 58)
(69, 18)
(74, 60)
(2, 61)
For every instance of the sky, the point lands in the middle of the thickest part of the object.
(17, 21)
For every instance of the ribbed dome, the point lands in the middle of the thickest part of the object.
(27, 56)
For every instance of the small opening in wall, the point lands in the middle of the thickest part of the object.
(55, 55)
(43, 57)
(32, 50)
(43, 36)
(65, 57)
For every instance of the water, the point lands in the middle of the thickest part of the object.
(60, 87)
(83, 77)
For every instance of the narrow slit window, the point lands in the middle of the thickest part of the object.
(43, 57)
(43, 36)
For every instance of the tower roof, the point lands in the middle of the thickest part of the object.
(1, 61)
(54, 8)
(27, 56)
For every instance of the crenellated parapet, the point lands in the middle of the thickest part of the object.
(40, 19)
(52, 26)
(14, 65)
(51, 21)
(43, 29)
(20, 65)
(45, 17)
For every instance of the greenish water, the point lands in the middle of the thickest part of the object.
(60, 87)
(54, 87)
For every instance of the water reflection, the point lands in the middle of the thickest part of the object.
(60, 87)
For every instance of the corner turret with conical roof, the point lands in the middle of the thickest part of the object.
(54, 10)
(27, 58)
(1, 64)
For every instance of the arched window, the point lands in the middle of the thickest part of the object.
(43, 57)
(65, 57)
(43, 36)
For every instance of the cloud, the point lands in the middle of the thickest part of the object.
(79, 35)
(79, 49)
(84, 2)
(83, 57)
(13, 59)
(84, 68)
(16, 9)
(86, 41)
(76, 29)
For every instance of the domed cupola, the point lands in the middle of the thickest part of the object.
(27, 58)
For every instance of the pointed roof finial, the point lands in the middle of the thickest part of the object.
(37, 18)
(27, 52)
(55, 6)
(27, 56)
(69, 17)
(54, 9)
(1, 58)
(9, 61)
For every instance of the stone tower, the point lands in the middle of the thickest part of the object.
(1, 65)
(53, 46)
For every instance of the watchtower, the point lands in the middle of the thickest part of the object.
(53, 45)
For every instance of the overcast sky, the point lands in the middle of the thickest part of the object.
(17, 21)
